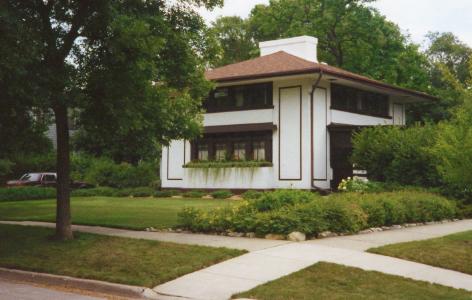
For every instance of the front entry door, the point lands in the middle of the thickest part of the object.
(341, 151)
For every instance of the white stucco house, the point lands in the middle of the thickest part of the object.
(288, 114)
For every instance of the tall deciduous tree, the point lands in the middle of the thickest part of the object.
(351, 35)
(234, 39)
(127, 66)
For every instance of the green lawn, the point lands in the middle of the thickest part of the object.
(451, 252)
(132, 213)
(331, 281)
(113, 259)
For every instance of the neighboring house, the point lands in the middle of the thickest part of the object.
(289, 111)
(51, 132)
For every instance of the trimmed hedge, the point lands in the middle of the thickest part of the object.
(221, 194)
(285, 211)
(26, 193)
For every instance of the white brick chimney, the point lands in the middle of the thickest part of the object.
(301, 46)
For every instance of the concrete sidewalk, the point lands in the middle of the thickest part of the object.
(270, 260)
(179, 238)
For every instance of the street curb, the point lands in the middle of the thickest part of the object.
(78, 283)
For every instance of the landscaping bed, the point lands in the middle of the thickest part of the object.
(450, 252)
(113, 259)
(331, 281)
(282, 212)
(129, 213)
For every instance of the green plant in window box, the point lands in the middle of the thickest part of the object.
(228, 164)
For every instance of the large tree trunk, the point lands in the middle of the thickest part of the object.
(63, 219)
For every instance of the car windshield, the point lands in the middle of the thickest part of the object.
(30, 177)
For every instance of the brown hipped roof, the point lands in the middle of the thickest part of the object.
(284, 64)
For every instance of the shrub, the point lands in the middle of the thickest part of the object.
(26, 193)
(105, 172)
(281, 198)
(310, 214)
(194, 194)
(251, 195)
(395, 154)
(163, 194)
(98, 191)
(343, 216)
(358, 185)
(5, 167)
(142, 192)
(221, 194)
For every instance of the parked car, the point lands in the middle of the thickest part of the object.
(45, 179)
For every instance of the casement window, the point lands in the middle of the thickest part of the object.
(358, 101)
(241, 97)
(233, 146)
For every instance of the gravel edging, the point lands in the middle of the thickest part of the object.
(78, 283)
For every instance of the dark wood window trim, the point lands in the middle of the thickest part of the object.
(361, 113)
(357, 101)
(210, 106)
(234, 137)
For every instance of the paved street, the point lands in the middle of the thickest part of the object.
(22, 291)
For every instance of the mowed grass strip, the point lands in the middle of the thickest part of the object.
(450, 252)
(331, 281)
(113, 259)
(129, 213)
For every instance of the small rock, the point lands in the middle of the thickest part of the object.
(251, 235)
(445, 221)
(376, 229)
(326, 234)
(365, 231)
(147, 229)
(296, 236)
(396, 227)
(429, 223)
(410, 225)
(455, 220)
(386, 228)
(152, 229)
(235, 234)
(274, 237)
(178, 230)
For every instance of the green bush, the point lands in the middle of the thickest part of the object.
(5, 167)
(281, 198)
(343, 216)
(98, 191)
(221, 194)
(26, 193)
(396, 154)
(310, 214)
(194, 194)
(251, 195)
(163, 194)
(105, 172)
(140, 192)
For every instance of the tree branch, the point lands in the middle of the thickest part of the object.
(77, 23)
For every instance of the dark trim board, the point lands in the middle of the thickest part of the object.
(301, 136)
(313, 134)
(174, 179)
(240, 128)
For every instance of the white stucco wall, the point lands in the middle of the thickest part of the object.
(292, 161)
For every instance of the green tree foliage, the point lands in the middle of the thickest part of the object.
(445, 51)
(129, 68)
(400, 155)
(235, 40)
(351, 35)
(453, 147)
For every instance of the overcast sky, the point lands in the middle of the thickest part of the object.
(416, 17)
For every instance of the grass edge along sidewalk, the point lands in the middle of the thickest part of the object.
(113, 259)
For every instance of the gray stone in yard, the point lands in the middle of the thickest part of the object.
(365, 231)
(251, 235)
(396, 227)
(327, 234)
(410, 225)
(275, 237)
(296, 237)
(235, 234)
(376, 229)
(386, 228)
